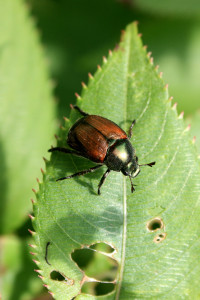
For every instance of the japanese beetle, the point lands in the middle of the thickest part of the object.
(104, 142)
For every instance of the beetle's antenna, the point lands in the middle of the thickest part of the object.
(132, 187)
(149, 164)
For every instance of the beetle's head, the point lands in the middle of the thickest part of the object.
(132, 169)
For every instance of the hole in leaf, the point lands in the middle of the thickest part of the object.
(103, 247)
(55, 275)
(155, 224)
(159, 237)
(97, 288)
(95, 264)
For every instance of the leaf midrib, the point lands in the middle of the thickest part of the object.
(123, 254)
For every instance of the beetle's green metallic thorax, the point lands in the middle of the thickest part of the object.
(119, 155)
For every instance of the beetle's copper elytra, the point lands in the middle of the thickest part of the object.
(103, 142)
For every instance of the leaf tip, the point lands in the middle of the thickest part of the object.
(38, 271)
(84, 86)
(31, 217)
(174, 106)
(90, 76)
(36, 262)
(188, 127)
(194, 140)
(31, 232)
(105, 60)
(181, 115)
(151, 60)
(45, 159)
(149, 54)
(66, 119)
(33, 201)
(34, 191)
(51, 293)
(122, 35)
(166, 85)
(32, 246)
(78, 97)
(55, 135)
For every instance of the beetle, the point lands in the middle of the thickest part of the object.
(103, 142)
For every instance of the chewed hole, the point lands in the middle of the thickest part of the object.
(155, 224)
(97, 288)
(159, 237)
(103, 247)
(55, 275)
(95, 264)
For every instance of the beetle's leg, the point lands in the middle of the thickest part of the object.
(80, 110)
(102, 180)
(65, 150)
(130, 129)
(132, 185)
(81, 173)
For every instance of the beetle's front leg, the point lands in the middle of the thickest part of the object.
(130, 129)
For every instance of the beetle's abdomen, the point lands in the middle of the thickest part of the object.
(91, 136)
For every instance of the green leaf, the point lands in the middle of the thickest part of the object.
(26, 112)
(17, 278)
(181, 8)
(154, 231)
(194, 122)
(76, 52)
(179, 60)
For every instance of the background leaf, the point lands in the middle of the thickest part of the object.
(176, 8)
(17, 278)
(154, 231)
(26, 112)
(75, 47)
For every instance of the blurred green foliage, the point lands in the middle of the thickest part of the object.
(76, 35)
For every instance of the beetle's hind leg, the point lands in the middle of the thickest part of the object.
(102, 180)
(130, 129)
(80, 110)
(81, 173)
(64, 150)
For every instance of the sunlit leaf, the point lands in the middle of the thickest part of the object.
(154, 231)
